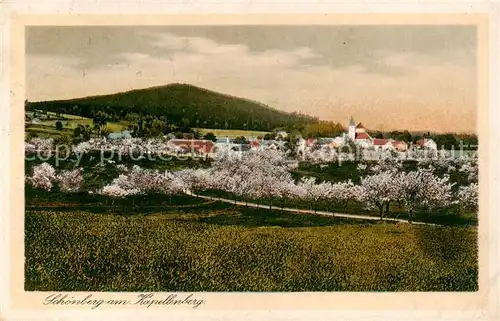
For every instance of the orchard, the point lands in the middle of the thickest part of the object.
(265, 176)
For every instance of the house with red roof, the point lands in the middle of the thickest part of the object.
(382, 144)
(255, 143)
(193, 145)
(362, 136)
(311, 141)
(358, 134)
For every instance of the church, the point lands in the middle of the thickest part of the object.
(359, 136)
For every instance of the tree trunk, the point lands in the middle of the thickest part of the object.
(381, 212)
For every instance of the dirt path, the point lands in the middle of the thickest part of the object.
(304, 211)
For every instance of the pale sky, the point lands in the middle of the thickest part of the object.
(387, 77)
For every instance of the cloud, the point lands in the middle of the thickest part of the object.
(424, 95)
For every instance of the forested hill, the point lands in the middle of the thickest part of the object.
(181, 105)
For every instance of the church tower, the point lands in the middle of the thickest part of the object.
(351, 133)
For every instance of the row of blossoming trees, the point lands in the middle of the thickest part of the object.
(128, 146)
(264, 176)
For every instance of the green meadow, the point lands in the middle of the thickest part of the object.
(208, 246)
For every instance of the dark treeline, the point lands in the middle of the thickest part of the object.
(179, 105)
(443, 140)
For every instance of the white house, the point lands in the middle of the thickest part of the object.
(426, 143)
(339, 141)
(400, 145)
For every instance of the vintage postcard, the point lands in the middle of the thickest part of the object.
(191, 166)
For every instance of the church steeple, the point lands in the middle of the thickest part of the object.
(352, 123)
(351, 133)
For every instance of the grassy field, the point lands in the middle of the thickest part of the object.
(43, 131)
(47, 127)
(73, 123)
(65, 116)
(217, 247)
(232, 133)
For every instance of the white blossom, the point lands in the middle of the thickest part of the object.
(43, 176)
(114, 190)
(121, 167)
(468, 196)
(437, 191)
(361, 167)
(70, 180)
(378, 190)
(313, 192)
(344, 193)
(471, 168)
(82, 148)
(39, 145)
(194, 180)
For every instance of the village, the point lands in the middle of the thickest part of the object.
(356, 137)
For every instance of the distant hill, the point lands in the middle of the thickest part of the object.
(181, 105)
